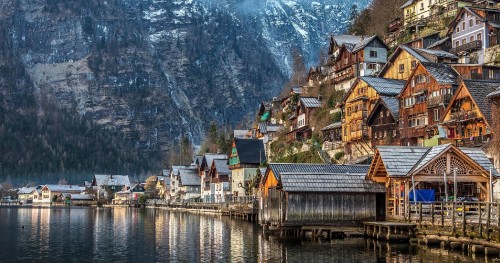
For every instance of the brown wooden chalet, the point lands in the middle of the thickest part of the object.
(442, 44)
(366, 58)
(422, 102)
(383, 121)
(401, 63)
(477, 71)
(468, 118)
(300, 128)
(423, 42)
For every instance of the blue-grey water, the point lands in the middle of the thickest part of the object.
(158, 235)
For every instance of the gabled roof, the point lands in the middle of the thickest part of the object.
(394, 164)
(82, 197)
(383, 86)
(429, 155)
(329, 183)
(396, 53)
(25, 190)
(494, 94)
(438, 43)
(470, 10)
(442, 73)
(176, 168)
(310, 102)
(332, 126)
(479, 91)
(279, 168)
(189, 177)
(209, 157)
(480, 158)
(108, 179)
(221, 166)
(362, 44)
(436, 53)
(250, 151)
(390, 103)
(346, 39)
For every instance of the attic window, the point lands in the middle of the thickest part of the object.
(413, 64)
(373, 53)
(401, 68)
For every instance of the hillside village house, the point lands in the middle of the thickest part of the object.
(477, 71)
(443, 44)
(423, 42)
(468, 117)
(422, 102)
(365, 58)
(300, 128)
(357, 104)
(246, 157)
(54, 191)
(401, 63)
(431, 169)
(473, 30)
(494, 150)
(418, 12)
(336, 43)
(220, 183)
(25, 195)
(129, 195)
(175, 179)
(107, 184)
(203, 171)
(384, 122)
(437, 56)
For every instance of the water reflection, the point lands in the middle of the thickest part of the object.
(157, 235)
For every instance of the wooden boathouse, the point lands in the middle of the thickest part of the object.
(319, 195)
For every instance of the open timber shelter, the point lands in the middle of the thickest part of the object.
(298, 195)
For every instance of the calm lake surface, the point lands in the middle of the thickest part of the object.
(158, 235)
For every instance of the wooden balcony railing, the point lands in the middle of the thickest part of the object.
(463, 115)
(474, 45)
(438, 100)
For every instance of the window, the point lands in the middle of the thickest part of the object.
(471, 39)
(471, 23)
(345, 61)
(491, 74)
(421, 6)
(463, 26)
(457, 43)
(464, 41)
(458, 30)
(373, 53)
(394, 133)
(436, 114)
(372, 66)
(477, 22)
(401, 68)
(413, 64)
(479, 37)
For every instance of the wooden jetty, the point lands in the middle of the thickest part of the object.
(390, 231)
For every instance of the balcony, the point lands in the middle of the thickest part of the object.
(395, 25)
(474, 45)
(438, 100)
(463, 115)
(473, 141)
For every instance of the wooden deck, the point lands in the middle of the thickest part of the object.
(390, 231)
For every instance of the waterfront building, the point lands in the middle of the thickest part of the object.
(220, 178)
(468, 118)
(25, 194)
(203, 170)
(426, 94)
(384, 122)
(246, 157)
(129, 195)
(108, 184)
(473, 30)
(54, 191)
(319, 195)
(185, 183)
(443, 172)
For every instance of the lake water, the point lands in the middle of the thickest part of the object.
(158, 235)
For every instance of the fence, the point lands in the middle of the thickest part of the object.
(463, 217)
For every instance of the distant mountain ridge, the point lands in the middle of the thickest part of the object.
(155, 70)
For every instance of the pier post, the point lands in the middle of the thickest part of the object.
(453, 226)
(432, 213)
(488, 221)
(463, 219)
(480, 221)
(442, 214)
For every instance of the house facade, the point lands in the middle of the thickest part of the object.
(204, 173)
(246, 157)
(422, 102)
(384, 122)
(468, 119)
(219, 184)
(401, 63)
(300, 128)
(473, 30)
(108, 184)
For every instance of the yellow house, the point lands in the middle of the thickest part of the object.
(358, 103)
(468, 118)
(418, 12)
(401, 63)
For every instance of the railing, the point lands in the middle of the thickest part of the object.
(438, 100)
(473, 141)
(474, 45)
(463, 115)
(464, 217)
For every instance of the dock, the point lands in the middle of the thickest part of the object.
(390, 231)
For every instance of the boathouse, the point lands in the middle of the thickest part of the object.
(297, 195)
(439, 173)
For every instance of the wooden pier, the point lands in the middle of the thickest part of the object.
(390, 231)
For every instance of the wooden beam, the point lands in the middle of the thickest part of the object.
(460, 178)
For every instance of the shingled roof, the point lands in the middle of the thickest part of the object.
(390, 103)
(396, 53)
(329, 183)
(250, 151)
(221, 166)
(383, 86)
(279, 168)
(310, 102)
(494, 94)
(437, 53)
(209, 157)
(189, 177)
(346, 39)
(442, 73)
(479, 90)
(108, 179)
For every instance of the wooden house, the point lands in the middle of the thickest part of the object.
(418, 13)
(300, 128)
(495, 111)
(468, 118)
(401, 63)
(443, 44)
(422, 102)
(366, 58)
(357, 104)
(477, 71)
(336, 43)
(246, 157)
(437, 56)
(424, 41)
(472, 31)
(319, 195)
(384, 122)
(431, 169)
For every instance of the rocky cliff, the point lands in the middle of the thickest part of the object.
(156, 69)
